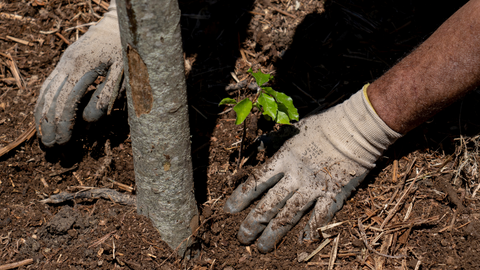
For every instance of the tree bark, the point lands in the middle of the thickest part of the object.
(158, 117)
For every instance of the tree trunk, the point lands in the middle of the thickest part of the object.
(158, 117)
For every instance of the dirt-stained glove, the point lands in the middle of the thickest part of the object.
(321, 166)
(97, 53)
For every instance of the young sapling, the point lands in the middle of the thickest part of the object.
(275, 106)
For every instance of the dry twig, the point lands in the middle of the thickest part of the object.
(365, 241)
(16, 74)
(105, 193)
(25, 136)
(16, 264)
(322, 245)
(21, 41)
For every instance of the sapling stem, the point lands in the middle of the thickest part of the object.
(240, 152)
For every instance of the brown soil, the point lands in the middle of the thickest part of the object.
(328, 50)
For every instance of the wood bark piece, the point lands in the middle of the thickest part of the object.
(158, 117)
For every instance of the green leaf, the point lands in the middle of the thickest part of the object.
(227, 101)
(269, 105)
(242, 109)
(260, 77)
(282, 115)
(282, 118)
(285, 100)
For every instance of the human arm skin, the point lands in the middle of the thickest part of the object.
(440, 71)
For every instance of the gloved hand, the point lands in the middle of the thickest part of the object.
(97, 52)
(321, 165)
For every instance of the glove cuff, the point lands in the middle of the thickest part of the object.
(113, 7)
(109, 22)
(361, 135)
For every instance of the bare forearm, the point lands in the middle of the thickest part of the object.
(441, 70)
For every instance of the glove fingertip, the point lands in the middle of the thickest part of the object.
(48, 134)
(63, 132)
(243, 196)
(237, 201)
(245, 236)
(264, 247)
(269, 238)
(92, 114)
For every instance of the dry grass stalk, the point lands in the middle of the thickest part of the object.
(330, 226)
(333, 254)
(395, 208)
(322, 245)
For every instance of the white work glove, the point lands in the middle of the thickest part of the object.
(97, 53)
(321, 165)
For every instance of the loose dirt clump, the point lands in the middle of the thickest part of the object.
(418, 208)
